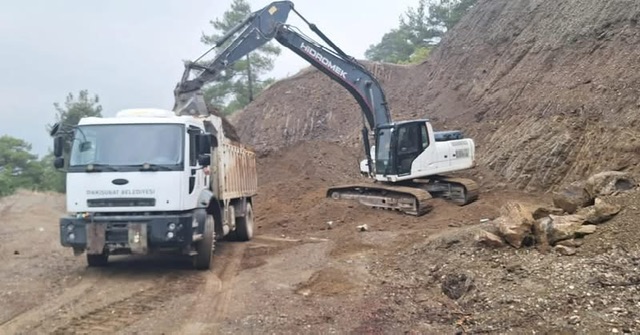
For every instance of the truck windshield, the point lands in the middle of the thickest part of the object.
(127, 146)
(383, 151)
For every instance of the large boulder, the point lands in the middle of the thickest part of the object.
(609, 182)
(515, 223)
(572, 197)
(600, 212)
(564, 227)
(488, 239)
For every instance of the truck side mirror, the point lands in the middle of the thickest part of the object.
(54, 129)
(205, 142)
(204, 160)
(58, 145)
(58, 162)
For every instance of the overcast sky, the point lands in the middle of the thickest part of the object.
(130, 52)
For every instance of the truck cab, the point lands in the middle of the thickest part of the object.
(147, 181)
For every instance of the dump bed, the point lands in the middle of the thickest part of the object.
(238, 176)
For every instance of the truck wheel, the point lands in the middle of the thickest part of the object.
(98, 260)
(204, 259)
(244, 225)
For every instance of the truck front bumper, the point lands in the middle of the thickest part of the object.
(127, 234)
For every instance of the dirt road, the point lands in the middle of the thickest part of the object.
(297, 274)
(45, 289)
(301, 275)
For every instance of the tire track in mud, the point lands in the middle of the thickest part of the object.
(124, 312)
(38, 316)
(213, 301)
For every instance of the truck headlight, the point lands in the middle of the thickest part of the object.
(71, 236)
(170, 235)
(172, 226)
(69, 227)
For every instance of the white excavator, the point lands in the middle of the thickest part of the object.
(408, 162)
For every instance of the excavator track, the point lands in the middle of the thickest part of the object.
(409, 200)
(460, 191)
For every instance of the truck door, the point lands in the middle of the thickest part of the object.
(196, 177)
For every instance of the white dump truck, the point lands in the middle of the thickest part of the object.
(151, 180)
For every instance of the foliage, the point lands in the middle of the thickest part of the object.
(419, 55)
(21, 169)
(239, 83)
(393, 48)
(75, 109)
(52, 179)
(446, 13)
(420, 29)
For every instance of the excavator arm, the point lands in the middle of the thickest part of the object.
(262, 26)
(258, 29)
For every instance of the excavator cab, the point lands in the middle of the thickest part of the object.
(398, 145)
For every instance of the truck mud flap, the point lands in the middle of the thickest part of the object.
(138, 238)
(95, 238)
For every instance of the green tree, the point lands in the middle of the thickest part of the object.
(419, 55)
(393, 48)
(445, 14)
(73, 110)
(52, 179)
(19, 168)
(239, 83)
(417, 24)
(419, 31)
(68, 115)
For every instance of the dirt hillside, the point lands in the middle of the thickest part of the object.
(548, 89)
(310, 106)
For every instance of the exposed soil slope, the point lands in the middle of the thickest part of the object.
(310, 106)
(548, 89)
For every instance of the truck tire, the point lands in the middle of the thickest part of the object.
(244, 225)
(98, 260)
(204, 259)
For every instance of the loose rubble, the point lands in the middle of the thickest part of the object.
(588, 283)
(578, 210)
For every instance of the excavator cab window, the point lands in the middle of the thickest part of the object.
(383, 151)
(425, 136)
(411, 143)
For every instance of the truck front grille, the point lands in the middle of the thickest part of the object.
(121, 202)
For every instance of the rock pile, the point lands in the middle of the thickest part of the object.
(578, 209)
